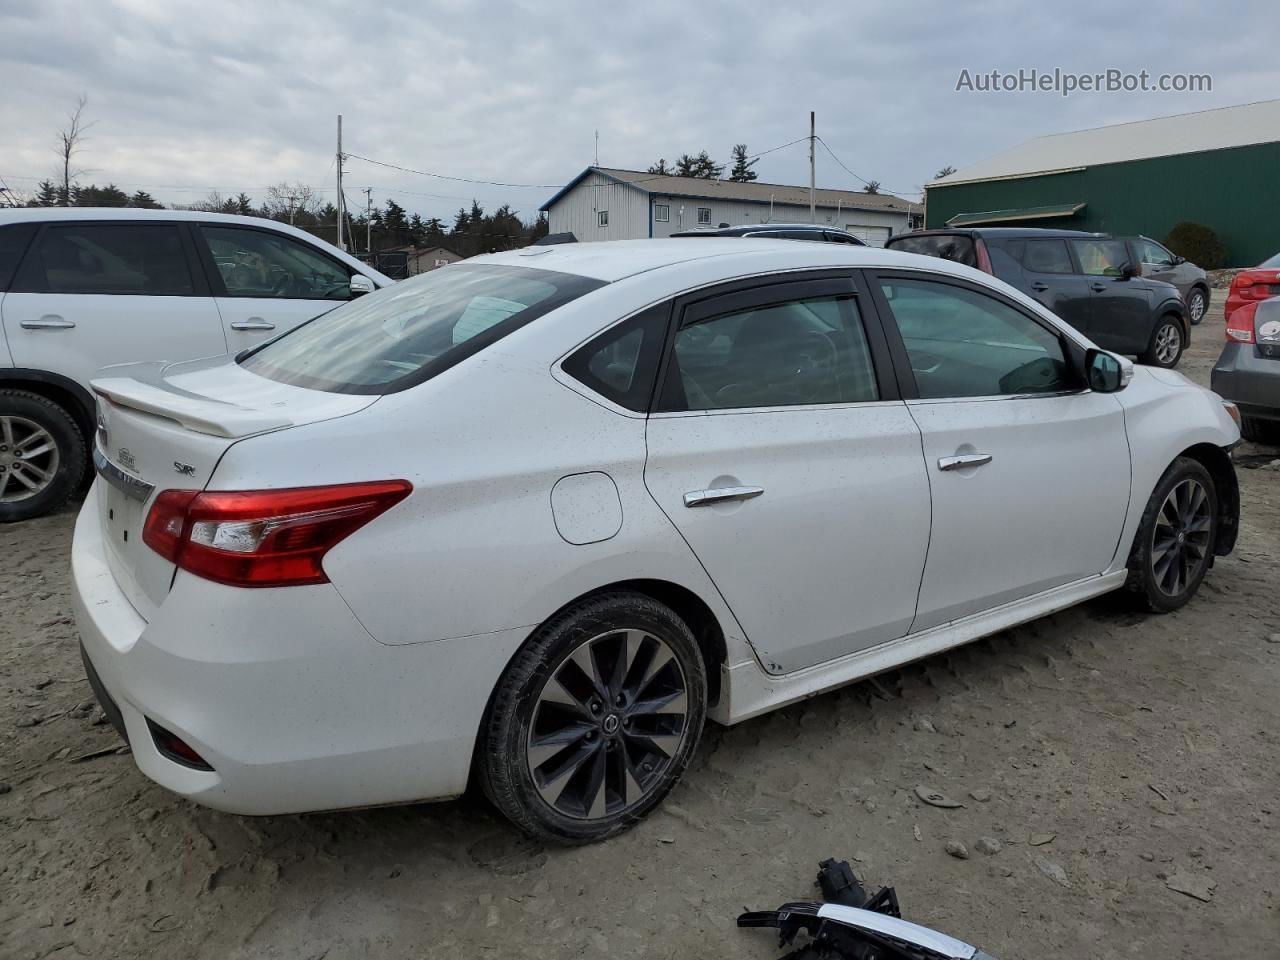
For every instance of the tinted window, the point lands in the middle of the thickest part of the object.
(1006, 258)
(137, 258)
(947, 247)
(622, 362)
(1101, 258)
(13, 243)
(405, 334)
(1154, 254)
(962, 343)
(1047, 256)
(804, 351)
(259, 263)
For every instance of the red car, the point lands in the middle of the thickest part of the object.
(1259, 283)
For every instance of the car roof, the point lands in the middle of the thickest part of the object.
(55, 214)
(754, 228)
(612, 260)
(1000, 232)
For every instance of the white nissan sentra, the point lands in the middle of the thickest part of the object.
(540, 515)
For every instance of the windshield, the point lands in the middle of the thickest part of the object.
(396, 338)
(954, 247)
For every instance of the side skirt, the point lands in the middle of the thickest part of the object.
(748, 691)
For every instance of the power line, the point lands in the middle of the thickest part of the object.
(441, 176)
(856, 176)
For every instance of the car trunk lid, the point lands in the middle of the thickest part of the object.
(165, 427)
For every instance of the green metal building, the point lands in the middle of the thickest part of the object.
(1219, 168)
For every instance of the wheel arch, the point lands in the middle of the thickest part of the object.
(1218, 462)
(63, 391)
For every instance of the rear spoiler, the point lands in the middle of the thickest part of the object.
(198, 414)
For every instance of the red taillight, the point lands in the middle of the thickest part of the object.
(263, 538)
(1255, 286)
(984, 258)
(1240, 324)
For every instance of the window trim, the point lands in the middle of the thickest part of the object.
(664, 217)
(602, 218)
(1073, 349)
(190, 252)
(701, 211)
(780, 287)
(214, 276)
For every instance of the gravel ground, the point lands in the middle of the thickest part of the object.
(1123, 764)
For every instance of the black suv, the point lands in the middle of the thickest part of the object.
(777, 231)
(1088, 279)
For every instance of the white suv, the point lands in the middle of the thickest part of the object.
(82, 288)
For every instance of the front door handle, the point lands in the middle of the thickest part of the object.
(253, 323)
(50, 321)
(705, 498)
(1039, 287)
(1098, 287)
(966, 460)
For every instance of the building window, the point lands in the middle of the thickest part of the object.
(704, 214)
(662, 212)
(603, 217)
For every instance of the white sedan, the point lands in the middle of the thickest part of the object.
(541, 515)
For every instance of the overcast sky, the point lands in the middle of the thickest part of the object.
(186, 97)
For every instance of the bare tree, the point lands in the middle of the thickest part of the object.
(285, 201)
(69, 139)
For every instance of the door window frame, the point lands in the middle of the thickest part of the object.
(772, 289)
(214, 276)
(190, 249)
(1072, 349)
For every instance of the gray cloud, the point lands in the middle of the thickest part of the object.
(235, 96)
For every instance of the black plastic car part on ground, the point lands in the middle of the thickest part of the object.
(1090, 280)
(777, 231)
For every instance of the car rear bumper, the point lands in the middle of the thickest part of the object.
(282, 692)
(1249, 380)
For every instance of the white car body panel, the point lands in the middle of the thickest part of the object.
(371, 688)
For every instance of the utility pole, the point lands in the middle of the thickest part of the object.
(597, 160)
(368, 219)
(341, 205)
(293, 197)
(813, 207)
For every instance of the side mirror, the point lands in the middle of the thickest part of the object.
(1106, 372)
(1178, 261)
(360, 285)
(1128, 270)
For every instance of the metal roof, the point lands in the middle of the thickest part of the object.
(1239, 126)
(699, 188)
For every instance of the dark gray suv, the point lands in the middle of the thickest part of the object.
(1088, 279)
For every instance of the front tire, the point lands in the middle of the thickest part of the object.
(1167, 344)
(1197, 306)
(42, 455)
(1174, 544)
(594, 720)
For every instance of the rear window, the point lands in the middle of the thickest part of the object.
(396, 338)
(953, 247)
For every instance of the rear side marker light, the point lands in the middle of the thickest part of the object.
(263, 538)
(172, 747)
(1240, 324)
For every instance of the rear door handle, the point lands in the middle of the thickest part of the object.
(1039, 287)
(960, 462)
(1098, 287)
(705, 498)
(253, 323)
(50, 321)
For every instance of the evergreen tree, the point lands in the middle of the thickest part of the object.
(460, 221)
(872, 187)
(48, 194)
(95, 196)
(742, 172)
(944, 172)
(661, 168)
(145, 201)
(701, 167)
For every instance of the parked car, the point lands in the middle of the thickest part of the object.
(1248, 371)
(1158, 262)
(1250, 286)
(1088, 279)
(84, 288)
(541, 514)
(777, 231)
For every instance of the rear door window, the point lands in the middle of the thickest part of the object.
(405, 334)
(955, 247)
(146, 259)
(13, 243)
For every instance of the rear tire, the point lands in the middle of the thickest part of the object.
(1257, 430)
(1167, 343)
(42, 455)
(594, 720)
(1197, 305)
(1173, 547)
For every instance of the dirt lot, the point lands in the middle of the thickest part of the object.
(1114, 757)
